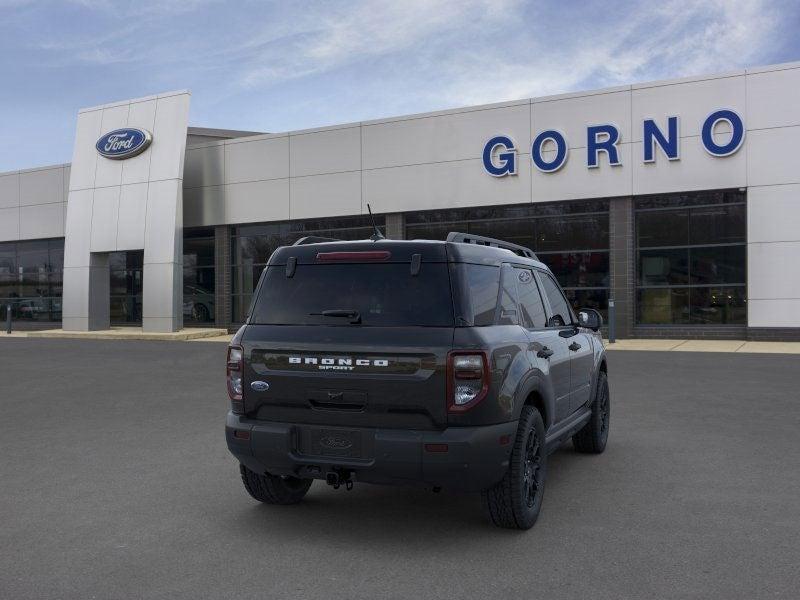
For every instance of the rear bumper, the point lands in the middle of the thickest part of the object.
(475, 458)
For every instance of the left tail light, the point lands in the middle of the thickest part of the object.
(234, 372)
(467, 379)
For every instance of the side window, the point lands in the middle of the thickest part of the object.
(507, 302)
(530, 301)
(561, 312)
(482, 283)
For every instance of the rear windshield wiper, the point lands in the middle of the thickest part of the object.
(353, 315)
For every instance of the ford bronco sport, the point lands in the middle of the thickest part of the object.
(454, 364)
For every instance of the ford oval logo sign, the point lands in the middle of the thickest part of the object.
(123, 143)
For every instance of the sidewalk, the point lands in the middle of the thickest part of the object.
(222, 336)
(122, 333)
(706, 346)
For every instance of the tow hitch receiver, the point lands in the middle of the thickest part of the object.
(340, 477)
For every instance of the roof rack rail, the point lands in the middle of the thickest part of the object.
(313, 239)
(479, 240)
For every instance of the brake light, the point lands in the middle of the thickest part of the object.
(468, 378)
(234, 371)
(355, 256)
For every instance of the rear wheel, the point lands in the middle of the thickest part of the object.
(515, 502)
(272, 489)
(594, 435)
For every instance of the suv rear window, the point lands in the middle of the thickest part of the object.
(385, 295)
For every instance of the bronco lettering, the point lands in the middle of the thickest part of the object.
(337, 364)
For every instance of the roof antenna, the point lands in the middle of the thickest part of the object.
(377, 236)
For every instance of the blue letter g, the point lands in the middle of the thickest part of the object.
(507, 159)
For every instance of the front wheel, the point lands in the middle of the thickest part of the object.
(271, 489)
(592, 438)
(515, 502)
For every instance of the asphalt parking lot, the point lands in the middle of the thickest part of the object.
(115, 482)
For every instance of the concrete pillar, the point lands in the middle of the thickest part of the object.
(87, 294)
(135, 203)
(162, 276)
(99, 292)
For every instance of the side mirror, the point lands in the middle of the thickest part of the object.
(590, 318)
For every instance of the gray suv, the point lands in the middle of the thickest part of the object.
(455, 364)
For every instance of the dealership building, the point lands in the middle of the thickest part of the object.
(677, 200)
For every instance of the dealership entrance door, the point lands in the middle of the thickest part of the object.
(126, 287)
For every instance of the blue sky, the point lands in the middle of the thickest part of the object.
(277, 66)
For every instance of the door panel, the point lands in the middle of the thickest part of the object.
(557, 365)
(581, 367)
(533, 316)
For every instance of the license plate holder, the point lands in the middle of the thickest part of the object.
(340, 443)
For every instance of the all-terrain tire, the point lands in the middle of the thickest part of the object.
(271, 489)
(592, 438)
(516, 500)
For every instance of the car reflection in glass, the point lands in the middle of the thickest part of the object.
(198, 303)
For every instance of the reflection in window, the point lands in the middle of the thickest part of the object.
(559, 309)
(691, 259)
(530, 301)
(482, 283)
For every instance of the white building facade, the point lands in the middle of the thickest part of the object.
(677, 200)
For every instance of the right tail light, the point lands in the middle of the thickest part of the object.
(467, 379)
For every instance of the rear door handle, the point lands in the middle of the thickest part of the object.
(574, 346)
(545, 352)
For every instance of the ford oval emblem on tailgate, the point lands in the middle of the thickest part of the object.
(259, 386)
(335, 442)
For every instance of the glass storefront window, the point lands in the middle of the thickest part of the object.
(8, 258)
(199, 276)
(126, 287)
(585, 232)
(241, 304)
(725, 224)
(589, 298)
(578, 269)
(657, 306)
(718, 264)
(662, 228)
(668, 266)
(572, 238)
(30, 279)
(718, 305)
(691, 259)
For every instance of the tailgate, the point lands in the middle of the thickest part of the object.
(386, 377)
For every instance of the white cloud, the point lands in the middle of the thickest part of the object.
(469, 51)
(325, 39)
(673, 40)
(455, 53)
